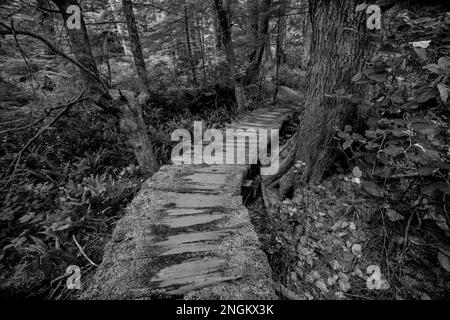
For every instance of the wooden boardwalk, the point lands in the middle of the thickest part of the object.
(188, 235)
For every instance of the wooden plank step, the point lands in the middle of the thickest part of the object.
(189, 272)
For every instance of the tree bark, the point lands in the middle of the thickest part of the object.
(82, 50)
(338, 52)
(188, 44)
(120, 30)
(307, 36)
(253, 27)
(136, 49)
(202, 45)
(225, 27)
(252, 72)
(280, 54)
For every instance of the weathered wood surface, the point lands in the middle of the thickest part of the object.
(188, 235)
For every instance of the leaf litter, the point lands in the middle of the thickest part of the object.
(330, 242)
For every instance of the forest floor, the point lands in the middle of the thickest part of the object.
(331, 241)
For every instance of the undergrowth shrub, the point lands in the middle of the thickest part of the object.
(72, 184)
(401, 155)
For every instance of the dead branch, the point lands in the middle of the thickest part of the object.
(24, 56)
(69, 105)
(82, 252)
(10, 31)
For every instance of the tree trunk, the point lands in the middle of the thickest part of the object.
(253, 27)
(338, 52)
(132, 122)
(119, 27)
(82, 51)
(202, 46)
(130, 112)
(281, 56)
(136, 49)
(281, 29)
(263, 28)
(188, 44)
(225, 27)
(307, 36)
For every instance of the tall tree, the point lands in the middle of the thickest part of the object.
(136, 49)
(338, 52)
(252, 72)
(281, 36)
(225, 26)
(128, 110)
(119, 27)
(188, 43)
(306, 35)
(281, 31)
(253, 26)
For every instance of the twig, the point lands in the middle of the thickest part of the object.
(379, 150)
(409, 221)
(82, 252)
(24, 56)
(384, 245)
(52, 47)
(406, 190)
(23, 127)
(16, 160)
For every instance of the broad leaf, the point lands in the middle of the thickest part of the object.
(443, 91)
(385, 172)
(429, 129)
(372, 188)
(393, 215)
(425, 171)
(444, 62)
(393, 150)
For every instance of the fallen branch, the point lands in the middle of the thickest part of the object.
(82, 252)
